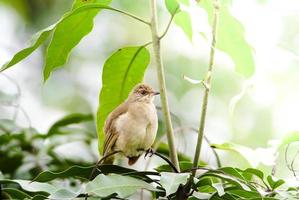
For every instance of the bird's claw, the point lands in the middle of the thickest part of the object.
(150, 152)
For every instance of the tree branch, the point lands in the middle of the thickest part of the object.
(162, 85)
(207, 89)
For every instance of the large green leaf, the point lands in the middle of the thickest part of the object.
(231, 38)
(123, 186)
(36, 41)
(171, 181)
(121, 72)
(68, 34)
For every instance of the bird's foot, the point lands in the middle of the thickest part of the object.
(150, 152)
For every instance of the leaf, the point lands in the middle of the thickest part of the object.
(36, 41)
(254, 157)
(193, 81)
(183, 20)
(232, 172)
(171, 181)
(74, 118)
(121, 72)
(255, 172)
(74, 171)
(15, 193)
(291, 137)
(227, 178)
(244, 194)
(219, 188)
(184, 166)
(68, 33)
(231, 39)
(31, 186)
(63, 194)
(172, 6)
(274, 183)
(123, 186)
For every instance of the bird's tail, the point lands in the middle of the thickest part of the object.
(132, 160)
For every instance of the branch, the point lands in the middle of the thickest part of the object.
(207, 89)
(162, 85)
(169, 23)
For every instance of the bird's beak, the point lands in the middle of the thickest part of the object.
(156, 93)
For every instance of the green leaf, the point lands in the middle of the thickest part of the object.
(36, 41)
(183, 20)
(232, 172)
(255, 172)
(291, 137)
(15, 193)
(121, 72)
(68, 33)
(123, 186)
(231, 38)
(184, 165)
(244, 194)
(63, 194)
(274, 183)
(74, 171)
(74, 118)
(31, 186)
(172, 6)
(171, 181)
(247, 153)
(224, 177)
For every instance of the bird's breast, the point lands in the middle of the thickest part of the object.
(137, 129)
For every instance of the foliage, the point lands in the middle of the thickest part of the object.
(32, 168)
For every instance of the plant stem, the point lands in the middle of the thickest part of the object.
(162, 85)
(207, 89)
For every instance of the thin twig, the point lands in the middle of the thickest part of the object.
(169, 23)
(207, 89)
(168, 161)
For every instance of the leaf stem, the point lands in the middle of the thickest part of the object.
(207, 89)
(169, 23)
(101, 6)
(162, 85)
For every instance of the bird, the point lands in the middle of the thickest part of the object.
(132, 126)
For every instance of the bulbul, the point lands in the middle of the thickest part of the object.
(132, 126)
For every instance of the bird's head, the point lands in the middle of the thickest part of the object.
(143, 93)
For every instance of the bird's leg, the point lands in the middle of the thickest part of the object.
(149, 152)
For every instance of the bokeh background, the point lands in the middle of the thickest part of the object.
(257, 112)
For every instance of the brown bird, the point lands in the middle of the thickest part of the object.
(132, 126)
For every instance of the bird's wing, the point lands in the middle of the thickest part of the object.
(110, 131)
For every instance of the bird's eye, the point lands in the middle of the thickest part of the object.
(143, 92)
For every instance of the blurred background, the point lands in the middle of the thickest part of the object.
(256, 112)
